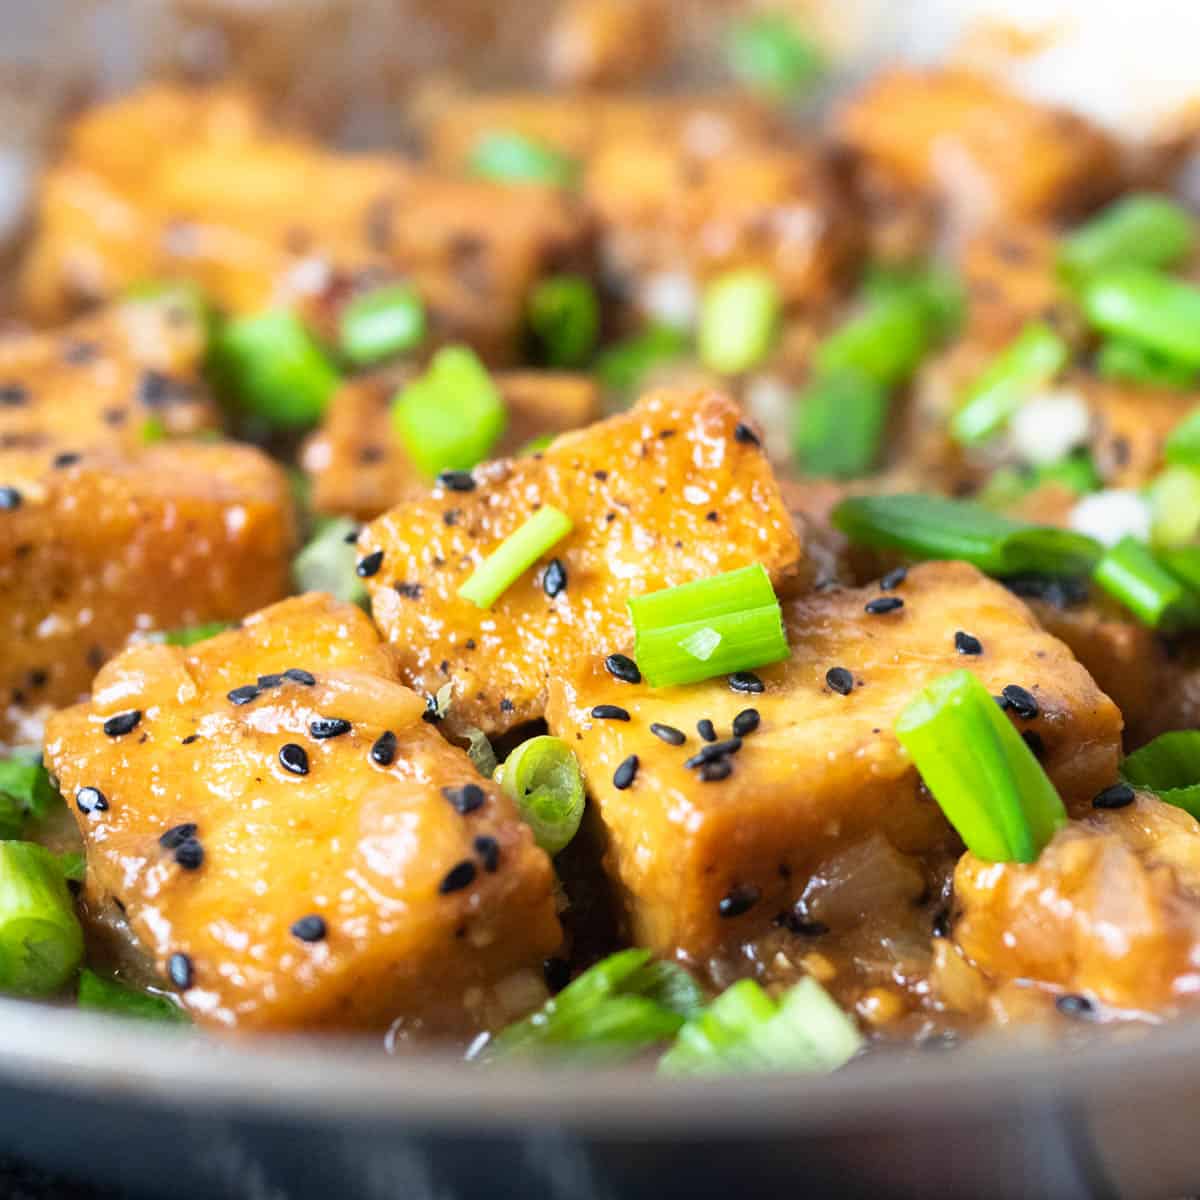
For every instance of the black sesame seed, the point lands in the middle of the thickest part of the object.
(460, 876)
(668, 734)
(554, 579)
(67, 459)
(293, 758)
(328, 727)
(1075, 1005)
(89, 800)
(296, 675)
(457, 481)
(745, 681)
(714, 751)
(352, 537)
(893, 579)
(383, 752)
(153, 388)
(310, 929)
(1117, 796)
(626, 773)
(883, 604)
(557, 974)
(180, 970)
(1022, 702)
(840, 680)
(706, 730)
(432, 714)
(122, 723)
(189, 854)
(270, 681)
(13, 395)
(966, 643)
(10, 499)
(746, 722)
(740, 898)
(1059, 593)
(1033, 740)
(243, 694)
(610, 712)
(622, 667)
(794, 922)
(744, 434)
(410, 591)
(715, 771)
(465, 799)
(370, 565)
(488, 850)
(177, 835)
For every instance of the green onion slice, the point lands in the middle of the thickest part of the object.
(326, 563)
(153, 431)
(1128, 362)
(1184, 564)
(840, 424)
(979, 770)
(1148, 308)
(381, 324)
(275, 370)
(450, 418)
(1142, 230)
(515, 555)
(25, 791)
(508, 157)
(1132, 575)
(535, 445)
(74, 866)
(729, 622)
(938, 290)
(739, 318)
(744, 1030)
(1026, 364)
(564, 317)
(1174, 497)
(1183, 445)
(623, 367)
(614, 1010)
(769, 54)
(41, 942)
(112, 996)
(928, 526)
(189, 635)
(1169, 767)
(543, 778)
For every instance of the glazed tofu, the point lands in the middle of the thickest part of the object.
(292, 845)
(705, 865)
(984, 152)
(222, 199)
(358, 465)
(675, 489)
(111, 544)
(1108, 911)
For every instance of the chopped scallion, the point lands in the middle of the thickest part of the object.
(535, 445)
(543, 778)
(1174, 497)
(623, 367)
(381, 324)
(839, 425)
(326, 563)
(1148, 308)
(1183, 444)
(769, 54)
(153, 431)
(111, 996)
(1143, 230)
(41, 942)
(515, 555)
(564, 317)
(1169, 767)
(1128, 362)
(191, 634)
(509, 157)
(739, 317)
(1130, 573)
(979, 770)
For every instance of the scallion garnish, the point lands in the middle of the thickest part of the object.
(1148, 308)
(515, 555)
(927, 526)
(450, 418)
(1130, 573)
(564, 318)
(744, 1030)
(99, 994)
(509, 157)
(1183, 444)
(381, 324)
(326, 562)
(622, 367)
(272, 366)
(1127, 362)
(717, 626)
(1169, 767)
(25, 791)
(739, 317)
(839, 425)
(1026, 364)
(769, 54)
(1143, 230)
(1174, 497)
(153, 431)
(543, 778)
(189, 635)
(937, 290)
(979, 770)
(535, 445)
(41, 942)
(74, 866)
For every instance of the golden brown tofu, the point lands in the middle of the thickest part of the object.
(358, 465)
(116, 544)
(1109, 910)
(305, 852)
(707, 864)
(985, 152)
(607, 43)
(227, 202)
(675, 489)
(1130, 427)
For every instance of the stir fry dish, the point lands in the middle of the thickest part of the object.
(633, 576)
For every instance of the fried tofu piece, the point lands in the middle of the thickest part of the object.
(315, 792)
(1130, 427)
(607, 43)
(113, 544)
(359, 468)
(1109, 910)
(673, 490)
(223, 200)
(706, 865)
(985, 152)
